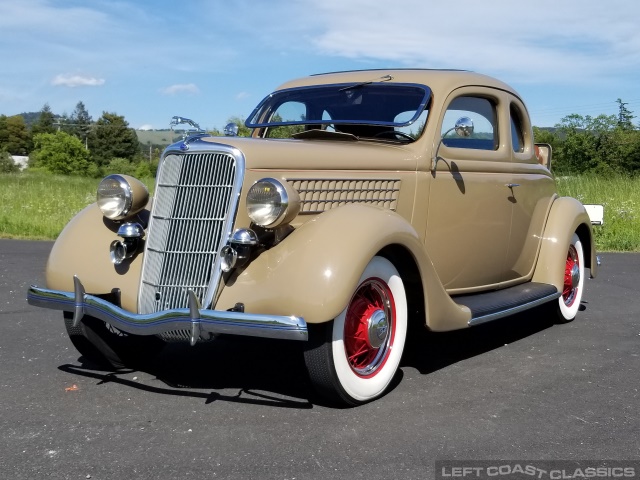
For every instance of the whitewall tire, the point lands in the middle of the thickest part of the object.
(354, 358)
(573, 287)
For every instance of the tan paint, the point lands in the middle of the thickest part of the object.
(82, 249)
(566, 216)
(139, 194)
(315, 270)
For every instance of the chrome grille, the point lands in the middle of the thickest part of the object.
(194, 197)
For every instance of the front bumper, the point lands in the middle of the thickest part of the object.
(200, 322)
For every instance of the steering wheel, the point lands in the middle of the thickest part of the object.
(397, 134)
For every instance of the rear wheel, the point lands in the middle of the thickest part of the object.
(353, 358)
(107, 347)
(569, 301)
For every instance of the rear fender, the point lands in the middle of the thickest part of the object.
(314, 271)
(567, 216)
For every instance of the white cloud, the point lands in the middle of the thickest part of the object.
(542, 41)
(242, 95)
(146, 126)
(191, 88)
(74, 80)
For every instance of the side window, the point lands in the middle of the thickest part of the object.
(485, 129)
(517, 137)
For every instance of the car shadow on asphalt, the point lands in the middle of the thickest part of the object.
(272, 372)
(233, 369)
(430, 351)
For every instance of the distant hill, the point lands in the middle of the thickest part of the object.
(32, 117)
(156, 137)
(160, 138)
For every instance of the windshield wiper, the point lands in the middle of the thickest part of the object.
(318, 134)
(385, 78)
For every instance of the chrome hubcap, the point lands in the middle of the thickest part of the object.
(378, 328)
(575, 276)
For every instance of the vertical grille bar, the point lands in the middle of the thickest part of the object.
(192, 211)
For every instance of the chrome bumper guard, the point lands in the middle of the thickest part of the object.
(194, 318)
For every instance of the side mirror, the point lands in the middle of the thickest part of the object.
(463, 128)
(231, 130)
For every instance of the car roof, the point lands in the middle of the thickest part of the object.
(440, 81)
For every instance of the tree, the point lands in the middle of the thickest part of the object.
(112, 138)
(625, 116)
(45, 121)
(4, 132)
(14, 135)
(80, 122)
(283, 131)
(60, 153)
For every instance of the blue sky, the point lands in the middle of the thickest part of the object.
(211, 59)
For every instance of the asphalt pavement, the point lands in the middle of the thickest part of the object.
(519, 388)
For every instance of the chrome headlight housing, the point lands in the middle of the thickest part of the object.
(120, 196)
(271, 203)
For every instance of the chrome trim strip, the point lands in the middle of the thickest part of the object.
(207, 321)
(514, 310)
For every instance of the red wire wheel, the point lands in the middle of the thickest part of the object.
(573, 282)
(571, 277)
(369, 327)
(353, 358)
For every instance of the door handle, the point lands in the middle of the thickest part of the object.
(511, 185)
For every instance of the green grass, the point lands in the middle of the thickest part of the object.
(38, 206)
(621, 199)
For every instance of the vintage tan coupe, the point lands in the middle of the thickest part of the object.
(364, 201)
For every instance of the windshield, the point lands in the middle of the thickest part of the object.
(369, 109)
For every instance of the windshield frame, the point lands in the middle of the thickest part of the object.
(264, 109)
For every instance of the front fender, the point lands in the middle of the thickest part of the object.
(82, 249)
(567, 216)
(315, 270)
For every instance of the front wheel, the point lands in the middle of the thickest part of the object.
(353, 358)
(569, 301)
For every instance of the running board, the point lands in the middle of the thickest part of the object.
(489, 306)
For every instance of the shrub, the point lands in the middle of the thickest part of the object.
(121, 166)
(7, 165)
(60, 153)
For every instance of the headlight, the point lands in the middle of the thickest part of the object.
(271, 203)
(120, 196)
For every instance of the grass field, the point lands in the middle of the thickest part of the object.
(621, 199)
(37, 206)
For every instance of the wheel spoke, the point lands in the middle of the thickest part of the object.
(569, 290)
(371, 298)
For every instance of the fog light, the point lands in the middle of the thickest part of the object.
(228, 258)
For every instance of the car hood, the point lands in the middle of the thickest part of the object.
(290, 154)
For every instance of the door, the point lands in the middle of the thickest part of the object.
(469, 215)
